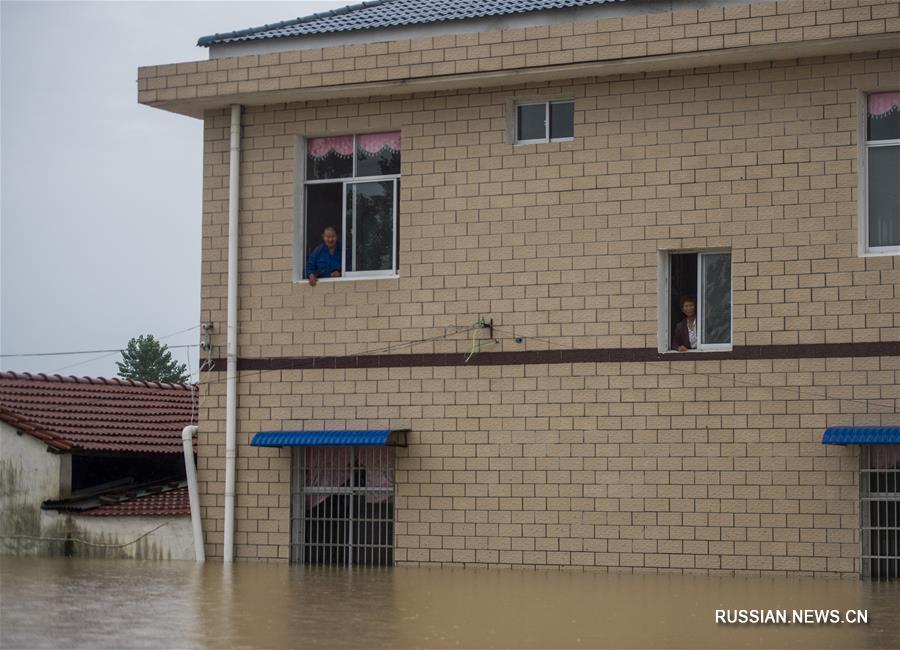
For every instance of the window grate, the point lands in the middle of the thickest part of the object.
(342, 510)
(880, 511)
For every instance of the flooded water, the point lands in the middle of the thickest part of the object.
(68, 603)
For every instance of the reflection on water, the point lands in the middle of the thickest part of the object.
(59, 602)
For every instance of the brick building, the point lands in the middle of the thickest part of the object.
(524, 194)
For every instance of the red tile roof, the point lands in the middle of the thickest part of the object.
(84, 414)
(165, 504)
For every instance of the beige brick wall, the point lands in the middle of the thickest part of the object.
(680, 32)
(560, 240)
(704, 466)
(700, 466)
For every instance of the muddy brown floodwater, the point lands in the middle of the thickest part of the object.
(68, 603)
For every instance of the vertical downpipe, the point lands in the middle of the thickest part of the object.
(231, 370)
(190, 470)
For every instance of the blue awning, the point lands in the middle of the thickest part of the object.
(391, 437)
(861, 436)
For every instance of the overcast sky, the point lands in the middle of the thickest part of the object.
(100, 197)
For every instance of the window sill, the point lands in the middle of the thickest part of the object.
(525, 143)
(704, 351)
(882, 253)
(366, 278)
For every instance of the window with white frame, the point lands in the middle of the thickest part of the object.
(550, 121)
(695, 303)
(351, 186)
(880, 183)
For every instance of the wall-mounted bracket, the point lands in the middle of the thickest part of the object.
(206, 342)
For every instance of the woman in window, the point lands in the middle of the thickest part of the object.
(685, 337)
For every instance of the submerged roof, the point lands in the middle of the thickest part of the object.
(84, 414)
(165, 498)
(392, 13)
(172, 503)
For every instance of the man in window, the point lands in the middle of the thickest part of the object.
(325, 259)
(685, 337)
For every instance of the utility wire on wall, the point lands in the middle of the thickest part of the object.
(519, 338)
(104, 353)
(456, 329)
(735, 382)
(62, 354)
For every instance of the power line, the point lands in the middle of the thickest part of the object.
(457, 329)
(62, 354)
(74, 352)
(106, 356)
(734, 381)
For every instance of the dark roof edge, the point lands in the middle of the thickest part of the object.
(22, 424)
(206, 41)
(100, 381)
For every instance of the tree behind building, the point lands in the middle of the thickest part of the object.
(146, 359)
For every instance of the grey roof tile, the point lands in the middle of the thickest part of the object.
(392, 13)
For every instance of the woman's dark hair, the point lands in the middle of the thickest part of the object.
(686, 298)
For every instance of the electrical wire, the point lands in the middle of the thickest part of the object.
(471, 352)
(255, 373)
(114, 352)
(111, 350)
(735, 382)
(62, 354)
(78, 540)
(458, 329)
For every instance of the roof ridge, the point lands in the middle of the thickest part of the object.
(99, 381)
(206, 41)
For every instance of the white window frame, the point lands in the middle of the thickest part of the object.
(663, 279)
(300, 241)
(546, 104)
(866, 145)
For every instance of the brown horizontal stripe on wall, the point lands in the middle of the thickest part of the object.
(810, 351)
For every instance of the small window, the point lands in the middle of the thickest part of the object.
(351, 189)
(545, 122)
(697, 306)
(880, 183)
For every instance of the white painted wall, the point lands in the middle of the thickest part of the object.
(172, 537)
(29, 475)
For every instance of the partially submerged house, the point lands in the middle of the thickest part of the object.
(93, 467)
(527, 209)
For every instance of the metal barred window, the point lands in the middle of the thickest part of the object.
(342, 510)
(880, 511)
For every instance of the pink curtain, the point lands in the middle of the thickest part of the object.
(330, 467)
(342, 145)
(326, 467)
(374, 142)
(882, 103)
(321, 147)
(886, 457)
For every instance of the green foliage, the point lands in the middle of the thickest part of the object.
(146, 359)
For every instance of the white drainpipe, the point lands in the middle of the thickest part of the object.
(187, 437)
(231, 370)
